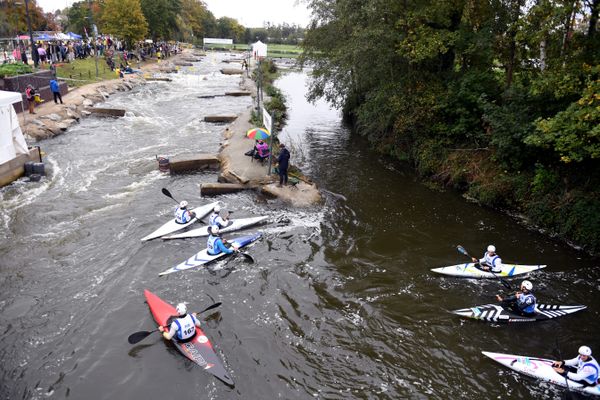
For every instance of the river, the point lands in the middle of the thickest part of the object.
(340, 304)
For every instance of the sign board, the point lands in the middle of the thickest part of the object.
(267, 121)
(217, 41)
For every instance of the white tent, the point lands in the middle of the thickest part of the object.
(259, 49)
(12, 142)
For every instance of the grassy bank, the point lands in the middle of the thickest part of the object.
(273, 50)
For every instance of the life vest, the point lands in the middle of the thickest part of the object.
(211, 245)
(592, 378)
(182, 216)
(494, 262)
(186, 327)
(29, 93)
(212, 220)
(524, 299)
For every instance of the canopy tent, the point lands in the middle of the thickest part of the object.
(43, 36)
(259, 49)
(62, 36)
(12, 142)
(74, 35)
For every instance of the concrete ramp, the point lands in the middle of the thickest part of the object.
(220, 118)
(193, 162)
(107, 112)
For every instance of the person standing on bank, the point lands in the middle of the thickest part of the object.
(283, 162)
(55, 91)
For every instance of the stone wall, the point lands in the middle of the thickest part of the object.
(39, 80)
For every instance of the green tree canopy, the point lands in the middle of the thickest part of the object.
(124, 19)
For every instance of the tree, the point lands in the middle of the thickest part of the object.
(161, 16)
(124, 19)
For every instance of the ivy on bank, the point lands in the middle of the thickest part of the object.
(496, 99)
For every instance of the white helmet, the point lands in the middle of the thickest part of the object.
(527, 285)
(217, 208)
(183, 204)
(585, 351)
(214, 229)
(181, 309)
(491, 248)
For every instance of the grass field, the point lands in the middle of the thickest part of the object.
(81, 72)
(273, 50)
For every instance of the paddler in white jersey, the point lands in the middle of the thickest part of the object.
(183, 327)
(216, 219)
(182, 215)
(581, 369)
(215, 244)
(490, 261)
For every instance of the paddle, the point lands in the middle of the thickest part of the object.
(568, 391)
(141, 335)
(247, 256)
(505, 283)
(168, 194)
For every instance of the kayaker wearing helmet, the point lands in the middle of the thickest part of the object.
(182, 215)
(216, 219)
(490, 261)
(522, 302)
(215, 244)
(183, 326)
(581, 369)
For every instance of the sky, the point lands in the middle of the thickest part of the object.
(250, 13)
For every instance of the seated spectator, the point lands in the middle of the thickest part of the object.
(262, 151)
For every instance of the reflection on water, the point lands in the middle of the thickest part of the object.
(340, 303)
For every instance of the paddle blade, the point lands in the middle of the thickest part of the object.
(247, 257)
(462, 250)
(167, 193)
(210, 307)
(139, 336)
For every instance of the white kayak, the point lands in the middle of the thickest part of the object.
(468, 270)
(203, 257)
(540, 368)
(498, 313)
(234, 225)
(173, 226)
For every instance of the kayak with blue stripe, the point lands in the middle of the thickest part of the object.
(203, 257)
(469, 270)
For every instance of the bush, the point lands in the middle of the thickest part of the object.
(14, 69)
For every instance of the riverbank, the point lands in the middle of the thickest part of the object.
(238, 168)
(52, 119)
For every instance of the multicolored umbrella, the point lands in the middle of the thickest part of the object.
(258, 133)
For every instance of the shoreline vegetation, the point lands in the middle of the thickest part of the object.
(499, 102)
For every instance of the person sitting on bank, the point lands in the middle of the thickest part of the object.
(262, 151)
(215, 219)
(215, 244)
(183, 327)
(523, 302)
(490, 262)
(582, 369)
(182, 214)
(30, 95)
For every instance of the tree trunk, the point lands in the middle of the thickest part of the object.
(594, 9)
(512, 49)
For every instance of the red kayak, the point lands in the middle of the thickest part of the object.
(199, 349)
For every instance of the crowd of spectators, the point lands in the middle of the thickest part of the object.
(60, 51)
